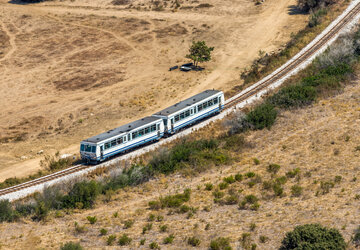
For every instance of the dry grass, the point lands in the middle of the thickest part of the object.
(320, 140)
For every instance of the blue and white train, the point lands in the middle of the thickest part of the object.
(152, 128)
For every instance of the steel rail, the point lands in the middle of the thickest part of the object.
(230, 103)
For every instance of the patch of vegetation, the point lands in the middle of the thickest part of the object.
(220, 243)
(293, 173)
(7, 213)
(169, 239)
(296, 190)
(91, 219)
(230, 179)
(356, 238)
(163, 228)
(239, 177)
(193, 241)
(199, 51)
(71, 246)
(223, 185)
(171, 201)
(209, 186)
(103, 231)
(154, 245)
(128, 223)
(249, 202)
(124, 240)
(313, 236)
(273, 168)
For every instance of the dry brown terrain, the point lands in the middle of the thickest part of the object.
(322, 141)
(71, 69)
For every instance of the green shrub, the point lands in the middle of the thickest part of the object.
(154, 245)
(147, 228)
(110, 240)
(218, 194)
(256, 161)
(159, 218)
(209, 186)
(163, 228)
(41, 211)
(82, 195)
(193, 241)
(230, 179)
(7, 213)
(293, 173)
(325, 186)
(250, 174)
(91, 219)
(71, 246)
(220, 243)
(103, 231)
(263, 238)
(231, 199)
(128, 223)
(124, 240)
(262, 116)
(278, 189)
(273, 168)
(169, 239)
(249, 202)
(337, 179)
(313, 236)
(296, 190)
(238, 177)
(172, 201)
(223, 185)
(79, 229)
(142, 242)
(294, 96)
(281, 180)
(151, 217)
(267, 185)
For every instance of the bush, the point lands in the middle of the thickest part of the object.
(294, 96)
(250, 174)
(307, 5)
(263, 238)
(91, 219)
(71, 246)
(313, 236)
(296, 190)
(278, 189)
(147, 228)
(7, 213)
(220, 243)
(273, 168)
(171, 201)
(169, 239)
(293, 173)
(238, 177)
(79, 229)
(223, 185)
(209, 186)
(124, 240)
(128, 223)
(110, 240)
(230, 179)
(163, 228)
(103, 231)
(82, 195)
(154, 245)
(41, 211)
(193, 241)
(249, 202)
(262, 116)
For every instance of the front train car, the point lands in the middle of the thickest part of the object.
(103, 146)
(191, 110)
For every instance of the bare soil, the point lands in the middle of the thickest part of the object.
(72, 69)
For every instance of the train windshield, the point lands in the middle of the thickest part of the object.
(82, 147)
(89, 148)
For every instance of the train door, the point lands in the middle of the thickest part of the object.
(101, 152)
(219, 103)
(172, 124)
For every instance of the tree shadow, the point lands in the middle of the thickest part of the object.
(294, 10)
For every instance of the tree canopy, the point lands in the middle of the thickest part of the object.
(199, 52)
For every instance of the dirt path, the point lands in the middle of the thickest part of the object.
(12, 38)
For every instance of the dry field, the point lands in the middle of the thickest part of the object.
(71, 69)
(322, 141)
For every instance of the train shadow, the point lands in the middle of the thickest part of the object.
(294, 10)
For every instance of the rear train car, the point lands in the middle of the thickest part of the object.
(100, 147)
(191, 110)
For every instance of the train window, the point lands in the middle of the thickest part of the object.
(141, 132)
(93, 149)
(177, 118)
(129, 135)
(119, 140)
(153, 127)
(220, 99)
(191, 111)
(182, 115)
(134, 135)
(158, 126)
(87, 148)
(194, 110)
(200, 107)
(210, 102)
(187, 113)
(204, 105)
(82, 147)
(124, 140)
(113, 143)
(147, 130)
(215, 100)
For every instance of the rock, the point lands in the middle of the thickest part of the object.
(65, 156)
(40, 152)
(23, 157)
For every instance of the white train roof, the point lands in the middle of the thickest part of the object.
(122, 129)
(188, 102)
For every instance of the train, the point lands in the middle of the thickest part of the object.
(164, 123)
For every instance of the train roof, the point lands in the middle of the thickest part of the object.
(188, 102)
(122, 129)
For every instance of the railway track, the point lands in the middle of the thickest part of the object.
(280, 74)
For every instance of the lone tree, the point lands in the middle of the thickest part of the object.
(313, 236)
(199, 52)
